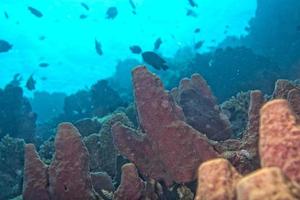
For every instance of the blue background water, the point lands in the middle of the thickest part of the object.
(69, 41)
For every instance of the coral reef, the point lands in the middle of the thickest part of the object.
(231, 70)
(35, 176)
(16, 116)
(170, 150)
(280, 136)
(217, 179)
(200, 108)
(267, 183)
(11, 166)
(70, 160)
(88, 126)
(101, 147)
(104, 99)
(132, 186)
(236, 109)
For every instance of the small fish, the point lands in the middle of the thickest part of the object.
(6, 15)
(157, 43)
(98, 47)
(5, 46)
(135, 49)
(44, 78)
(30, 84)
(83, 16)
(134, 12)
(197, 30)
(111, 12)
(154, 60)
(35, 12)
(85, 5)
(199, 44)
(132, 4)
(43, 65)
(42, 37)
(193, 3)
(191, 13)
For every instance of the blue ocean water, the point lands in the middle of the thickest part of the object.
(68, 45)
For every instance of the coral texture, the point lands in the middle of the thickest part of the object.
(267, 183)
(170, 149)
(280, 138)
(200, 108)
(68, 175)
(132, 186)
(70, 160)
(35, 176)
(217, 180)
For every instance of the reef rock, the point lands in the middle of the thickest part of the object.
(267, 183)
(35, 176)
(201, 109)
(279, 142)
(169, 149)
(132, 186)
(217, 180)
(69, 176)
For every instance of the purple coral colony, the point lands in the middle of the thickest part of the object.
(180, 129)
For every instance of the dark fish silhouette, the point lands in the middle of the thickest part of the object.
(43, 65)
(42, 37)
(199, 44)
(192, 3)
(111, 12)
(98, 48)
(85, 5)
(30, 84)
(197, 30)
(154, 60)
(191, 13)
(44, 78)
(6, 15)
(83, 16)
(16, 80)
(35, 12)
(132, 4)
(135, 49)
(157, 43)
(4, 46)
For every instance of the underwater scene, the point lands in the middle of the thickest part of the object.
(150, 100)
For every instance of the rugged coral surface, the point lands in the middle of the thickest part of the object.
(35, 176)
(217, 180)
(132, 186)
(267, 183)
(170, 150)
(67, 177)
(280, 138)
(11, 166)
(201, 109)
